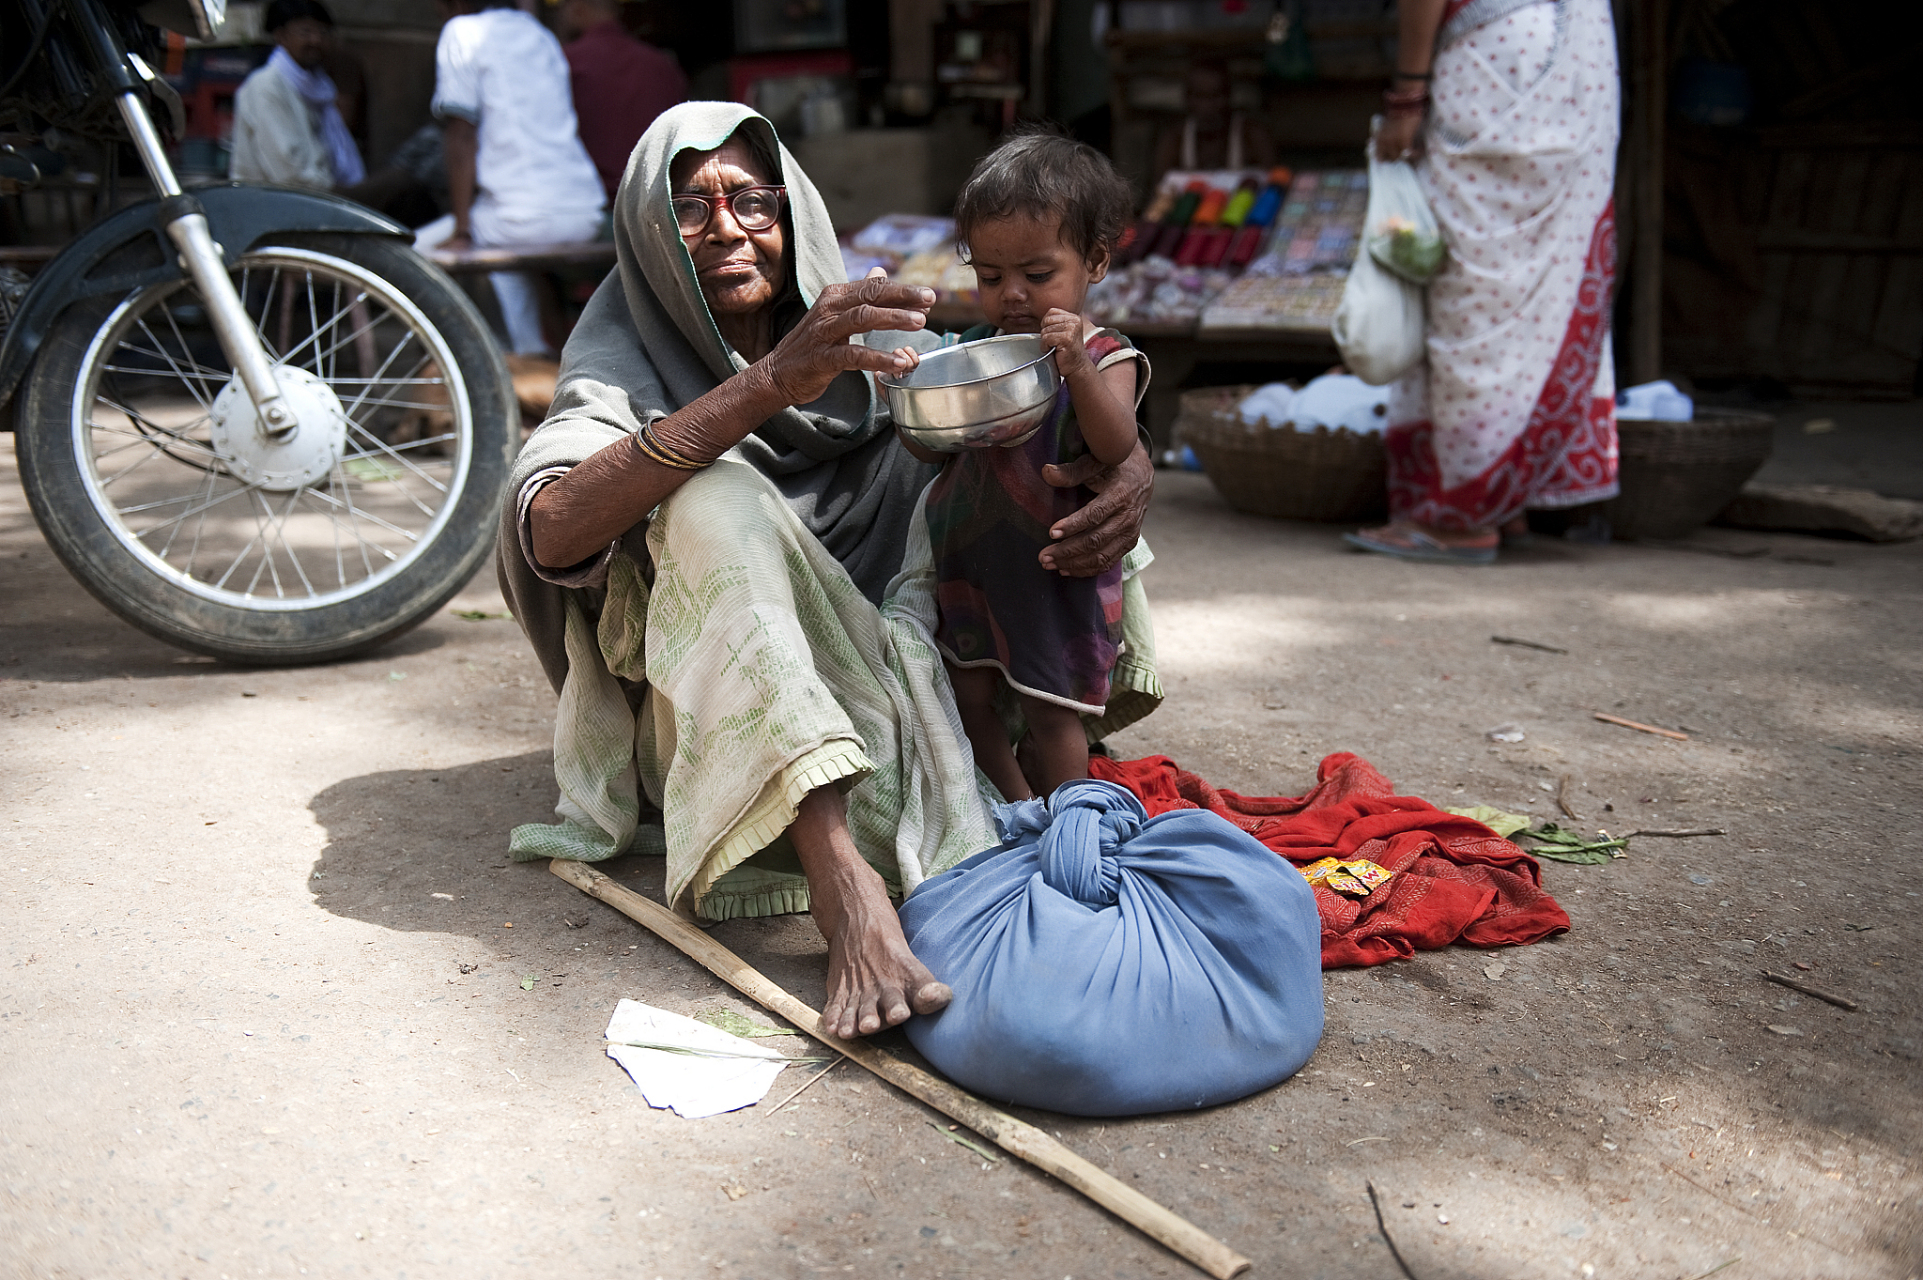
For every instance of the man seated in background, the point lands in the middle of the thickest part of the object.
(517, 173)
(620, 83)
(288, 129)
(291, 130)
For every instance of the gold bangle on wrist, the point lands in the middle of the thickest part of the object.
(651, 446)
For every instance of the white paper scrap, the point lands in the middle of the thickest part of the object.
(696, 1069)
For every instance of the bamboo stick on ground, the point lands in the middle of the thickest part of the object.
(1005, 1131)
(1606, 718)
(1783, 979)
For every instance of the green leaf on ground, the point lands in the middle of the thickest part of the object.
(527, 983)
(970, 1143)
(477, 615)
(1552, 842)
(373, 470)
(1503, 824)
(737, 1025)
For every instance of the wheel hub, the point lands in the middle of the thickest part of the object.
(298, 458)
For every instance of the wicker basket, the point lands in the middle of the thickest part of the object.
(1316, 474)
(1677, 475)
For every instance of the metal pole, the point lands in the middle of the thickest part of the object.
(202, 259)
(1651, 82)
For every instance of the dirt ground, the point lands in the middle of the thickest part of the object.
(277, 1003)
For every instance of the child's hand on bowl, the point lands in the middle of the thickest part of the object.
(1062, 330)
(907, 360)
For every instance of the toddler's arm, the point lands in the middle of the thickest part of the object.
(1104, 400)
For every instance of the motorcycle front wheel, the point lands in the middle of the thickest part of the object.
(152, 482)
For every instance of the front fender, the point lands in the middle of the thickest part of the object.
(130, 250)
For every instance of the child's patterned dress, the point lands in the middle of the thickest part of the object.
(989, 514)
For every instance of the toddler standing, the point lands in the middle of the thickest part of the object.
(1038, 221)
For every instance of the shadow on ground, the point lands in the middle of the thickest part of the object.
(425, 850)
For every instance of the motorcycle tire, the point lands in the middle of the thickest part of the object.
(143, 465)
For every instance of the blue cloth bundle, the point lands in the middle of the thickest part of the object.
(1106, 963)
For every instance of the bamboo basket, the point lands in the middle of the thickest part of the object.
(1676, 476)
(1317, 474)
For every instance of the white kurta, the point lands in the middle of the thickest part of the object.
(275, 140)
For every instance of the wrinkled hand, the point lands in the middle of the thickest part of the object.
(1095, 539)
(1062, 330)
(818, 349)
(459, 240)
(1395, 139)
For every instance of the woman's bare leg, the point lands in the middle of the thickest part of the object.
(1061, 744)
(874, 981)
(975, 689)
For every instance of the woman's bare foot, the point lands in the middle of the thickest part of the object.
(874, 980)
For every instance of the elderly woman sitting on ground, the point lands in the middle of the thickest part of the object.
(715, 545)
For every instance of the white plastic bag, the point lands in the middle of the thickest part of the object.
(1379, 323)
(1400, 231)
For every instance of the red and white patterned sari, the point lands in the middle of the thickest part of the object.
(1514, 406)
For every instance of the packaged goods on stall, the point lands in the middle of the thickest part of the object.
(903, 235)
(912, 249)
(1184, 249)
(1295, 283)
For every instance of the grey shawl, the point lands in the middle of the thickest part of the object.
(646, 346)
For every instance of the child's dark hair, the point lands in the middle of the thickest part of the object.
(1039, 173)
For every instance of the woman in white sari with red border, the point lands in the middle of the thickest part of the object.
(1514, 124)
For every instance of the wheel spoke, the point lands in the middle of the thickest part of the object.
(175, 532)
(369, 516)
(389, 451)
(354, 522)
(333, 322)
(280, 532)
(153, 451)
(404, 446)
(195, 389)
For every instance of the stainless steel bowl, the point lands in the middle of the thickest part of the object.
(978, 395)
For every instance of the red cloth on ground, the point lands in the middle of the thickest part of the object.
(1456, 880)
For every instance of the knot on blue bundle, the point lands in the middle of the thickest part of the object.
(1088, 823)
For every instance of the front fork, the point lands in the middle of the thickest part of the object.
(186, 225)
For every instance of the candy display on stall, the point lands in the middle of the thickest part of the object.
(1296, 283)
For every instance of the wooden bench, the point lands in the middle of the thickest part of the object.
(28, 257)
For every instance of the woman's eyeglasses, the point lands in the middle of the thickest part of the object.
(754, 209)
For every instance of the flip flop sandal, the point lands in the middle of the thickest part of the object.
(1414, 544)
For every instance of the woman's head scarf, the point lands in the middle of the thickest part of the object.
(646, 345)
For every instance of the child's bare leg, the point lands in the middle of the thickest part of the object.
(975, 698)
(1061, 744)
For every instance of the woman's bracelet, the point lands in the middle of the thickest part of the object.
(651, 447)
(1405, 102)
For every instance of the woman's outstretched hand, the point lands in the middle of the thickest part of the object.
(1094, 539)
(818, 349)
